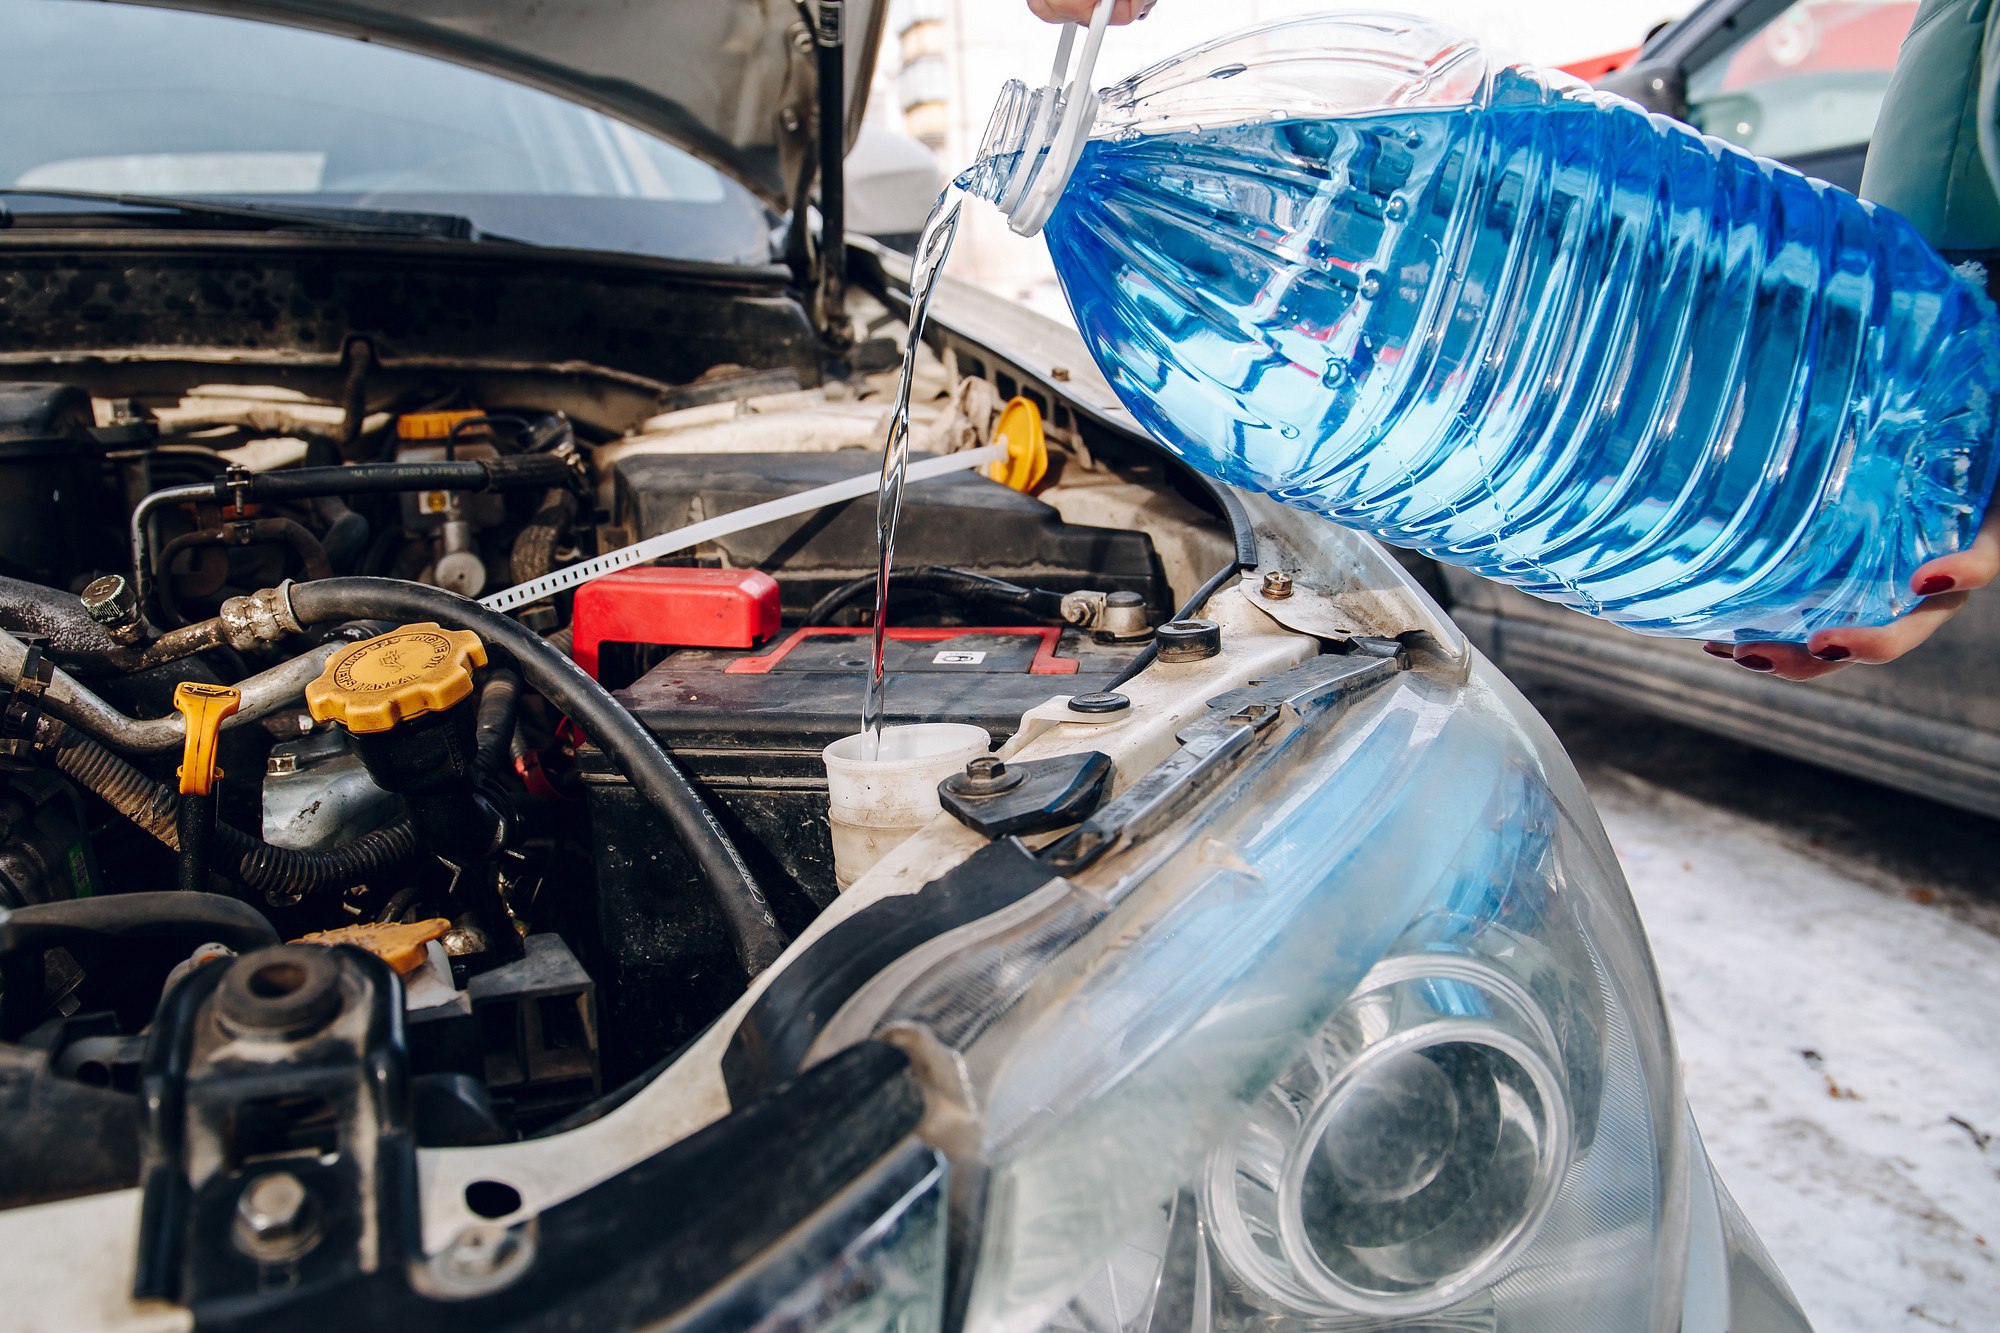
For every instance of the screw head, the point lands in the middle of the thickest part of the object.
(1277, 584)
(272, 1203)
(984, 775)
(278, 765)
(274, 1217)
(483, 1258)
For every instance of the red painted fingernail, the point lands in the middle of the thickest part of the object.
(1833, 652)
(1936, 584)
(1756, 663)
(1718, 650)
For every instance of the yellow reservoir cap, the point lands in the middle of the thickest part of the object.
(375, 684)
(1027, 460)
(432, 425)
(204, 706)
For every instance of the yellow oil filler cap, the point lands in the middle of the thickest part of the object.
(375, 684)
(204, 706)
(1027, 461)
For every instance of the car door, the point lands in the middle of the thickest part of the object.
(1802, 82)
(1803, 85)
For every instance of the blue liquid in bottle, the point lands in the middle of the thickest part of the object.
(1543, 335)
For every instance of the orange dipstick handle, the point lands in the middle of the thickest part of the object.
(204, 707)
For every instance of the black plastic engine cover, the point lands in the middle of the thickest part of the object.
(962, 520)
(49, 524)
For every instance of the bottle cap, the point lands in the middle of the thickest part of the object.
(373, 685)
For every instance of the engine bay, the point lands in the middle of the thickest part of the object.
(187, 561)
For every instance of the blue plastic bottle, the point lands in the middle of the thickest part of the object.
(1484, 312)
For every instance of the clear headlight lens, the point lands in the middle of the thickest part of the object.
(1409, 1153)
(1373, 1044)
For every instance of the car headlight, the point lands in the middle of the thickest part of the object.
(1372, 1041)
(1414, 1148)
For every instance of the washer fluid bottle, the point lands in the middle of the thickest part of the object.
(1482, 311)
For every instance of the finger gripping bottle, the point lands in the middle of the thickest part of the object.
(1482, 311)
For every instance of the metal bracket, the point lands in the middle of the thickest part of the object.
(1027, 796)
(278, 1157)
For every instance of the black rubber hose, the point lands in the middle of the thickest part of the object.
(515, 472)
(256, 532)
(1240, 530)
(283, 874)
(354, 398)
(193, 918)
(346, 535)
(753, 931)
(959, 583)
(499, 706)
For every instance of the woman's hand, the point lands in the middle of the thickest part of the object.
(1079, 11)
(1943, 583)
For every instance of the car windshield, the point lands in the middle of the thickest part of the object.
(124, 99)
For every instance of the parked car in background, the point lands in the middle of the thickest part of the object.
(1801, 82)
(1796, 80)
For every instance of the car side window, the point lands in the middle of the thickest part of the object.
(1808, 81)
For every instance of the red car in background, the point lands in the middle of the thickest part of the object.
(1800, 82)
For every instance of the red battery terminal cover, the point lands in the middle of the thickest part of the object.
(673, 608)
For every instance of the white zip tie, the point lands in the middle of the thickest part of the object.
(639, 553)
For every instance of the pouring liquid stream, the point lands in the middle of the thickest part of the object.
(932, 247)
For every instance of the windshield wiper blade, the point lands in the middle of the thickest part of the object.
(371, 221)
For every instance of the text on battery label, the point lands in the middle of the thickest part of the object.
(958, 659)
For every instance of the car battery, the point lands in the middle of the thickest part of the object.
(748, 727)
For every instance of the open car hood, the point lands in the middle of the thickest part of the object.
(731, 80)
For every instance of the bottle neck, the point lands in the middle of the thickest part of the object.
(1033, 139)
(1031, 146)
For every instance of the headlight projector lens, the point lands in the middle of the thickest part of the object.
(1407, 1155)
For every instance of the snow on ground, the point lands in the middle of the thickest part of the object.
(1835, 1012)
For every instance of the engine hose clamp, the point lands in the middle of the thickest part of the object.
(236, 479)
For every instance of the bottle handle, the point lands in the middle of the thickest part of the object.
(1030, 202)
